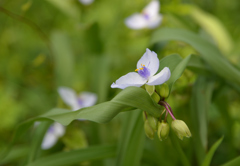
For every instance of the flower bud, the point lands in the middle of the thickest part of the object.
(163, 130)
(155, 97)
(164, 90)
(148, 130)
(181, 129)
(144, 116)
(150, 89)
(152, 122)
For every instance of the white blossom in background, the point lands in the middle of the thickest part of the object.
(148, 18)
(86, 2)
(70, 97)
(55, 131)
(75, 101)
(147, 67)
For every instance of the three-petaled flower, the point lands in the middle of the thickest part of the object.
(149, 18)
(55, 131)
(70, 97)
(147, 66)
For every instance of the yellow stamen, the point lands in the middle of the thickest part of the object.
(136, 69)
(141, 68)
(143, 65)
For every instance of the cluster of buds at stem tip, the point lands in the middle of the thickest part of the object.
(152, 124)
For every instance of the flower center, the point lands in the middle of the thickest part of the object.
(146, 16)
(143, 72)
(51, 129)
(80, 102)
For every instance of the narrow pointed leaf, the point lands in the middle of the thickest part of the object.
(208, 158)
(132, 140)
(77, 156)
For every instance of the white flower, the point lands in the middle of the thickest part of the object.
(86, 2)
(55, 131)
(147, 66)
(149, 18)
(70, 97)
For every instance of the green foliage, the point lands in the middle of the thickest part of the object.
(52, 43)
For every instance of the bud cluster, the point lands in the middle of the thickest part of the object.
(152, 124)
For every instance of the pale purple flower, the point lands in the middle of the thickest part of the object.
(147, 67)
(55, 131)
(75, 101)
(148, 18)
(86, 2)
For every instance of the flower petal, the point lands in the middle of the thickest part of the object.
(155, 21)
(130, 79)
(152, 8)
(48, 141)
(88, 99)
(86, 2)
(161, 77)
(59, 129)
(69, 96)
(150, 60)
(136, 21)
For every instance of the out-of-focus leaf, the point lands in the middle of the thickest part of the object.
(37, 140)
(214, 27)
(63, 57)
(170, 61)
(77, 156)
(67, 6)
(208, 51)
(176, 65)
(200, 103)
(234, 162)
(208, 158)
(177, 72)
(131, 140)
(16, 153)
(176, 144)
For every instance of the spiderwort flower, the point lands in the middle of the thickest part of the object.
(55, 131)
(147, 66)
(149, 18)
(70, 97)
(86, 2)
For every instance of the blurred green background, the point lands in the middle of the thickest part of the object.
(45, 44)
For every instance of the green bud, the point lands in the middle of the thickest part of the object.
(152, 122)
(150, 89)
(155, 97)
(148, 130)
(157, 88)
(144, 116)
(163, 130)
(181, 129)
(164, 90)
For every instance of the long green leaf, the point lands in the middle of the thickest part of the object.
(77, 156)
(200, 103)
(37, 140)
(214, 27)
(177, 72)
(234, 162)
(208, 158)
(132, 140)
(176, 65)
(208, 51)
(104, 112)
